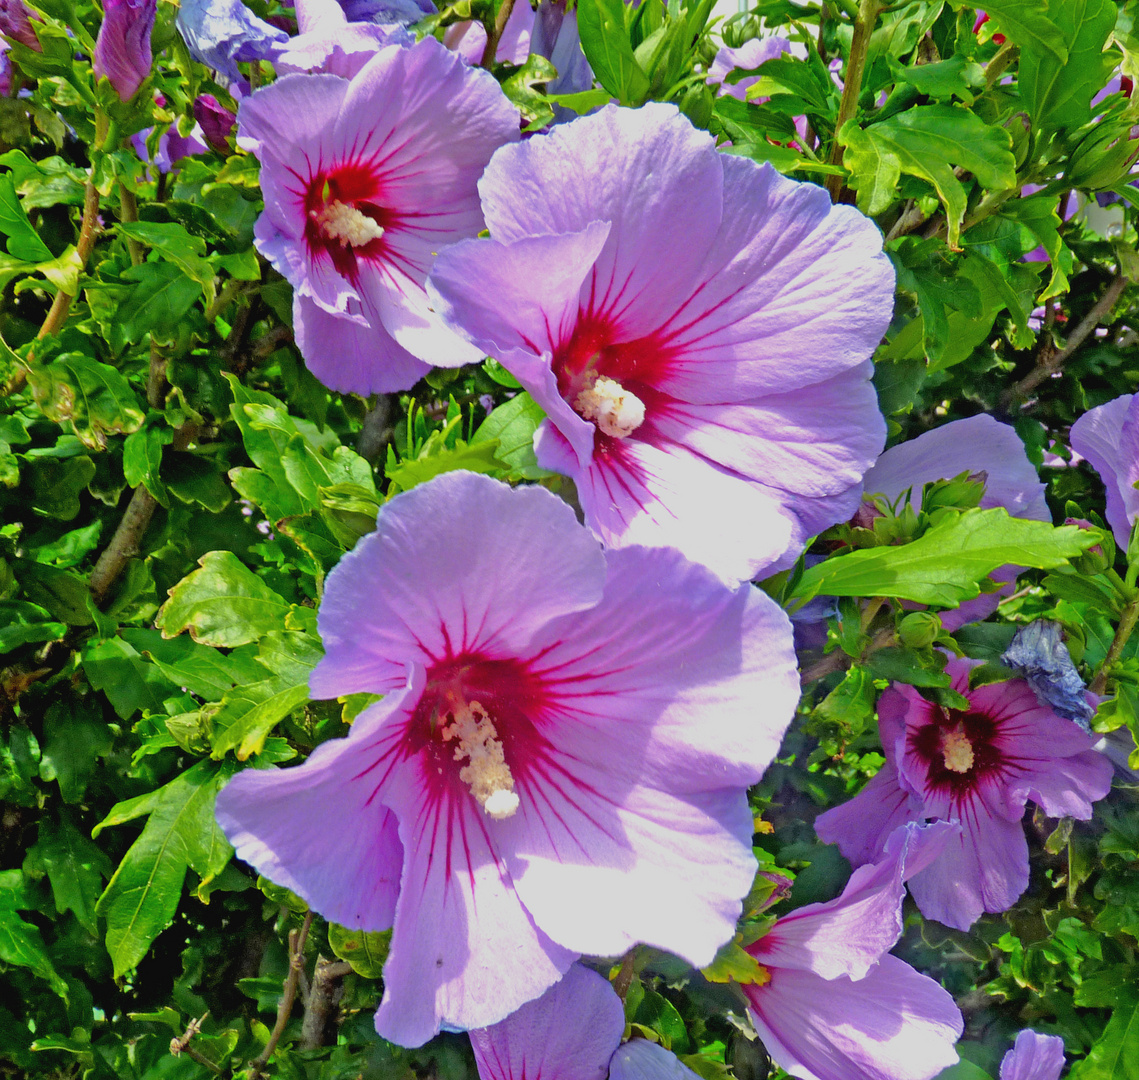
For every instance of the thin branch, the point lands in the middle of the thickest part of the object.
(128, 211)
(323, 996)
(1126, 625)
(288, 995)
(494, 36)
(839, 661)
(1052, 363)
(625, 976)
(852, 86)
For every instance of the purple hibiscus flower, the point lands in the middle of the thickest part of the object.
(696, 327)
(328, 42)
(364, 181)
(835, 1005)
(468, 38)
(16, 23)
(750, 54)
(1034, 1057)
(978, 445)
(215, 121)
(560, 764)
(122, 49)
(571, 1032)
(979, 767)
(1108, 436)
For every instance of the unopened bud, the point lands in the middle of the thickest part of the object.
(919, 629)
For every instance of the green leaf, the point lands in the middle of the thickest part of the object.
(158, 303)
(55, 484)
(513, 424)
(177, 246)
(479, 458)
(131, 684)
(1115, 1055)
(180, 834)
(247, 714)
(21, 944)
(1028, 23)
(142, 459)
(23, 241)
(92, 398)
(224, 604)
(75, 737)
(365, 950)
(605, 42)
(945, 565)
(734, 964)
(926, 141)
(22, 623)
(1057, 90)
(875, 167)
(74, 865)
(204, 671)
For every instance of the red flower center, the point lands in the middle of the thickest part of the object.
(345, 219)
(958, 749)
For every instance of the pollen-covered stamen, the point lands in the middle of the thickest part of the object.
(345, 223)
(486, 773)
(617, 411)
(957, 751)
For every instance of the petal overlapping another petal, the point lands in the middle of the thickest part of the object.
(569, 1033)
(861, 825)
(1108, 436)
(894, 1024)
(644, 1060)
(406, 595)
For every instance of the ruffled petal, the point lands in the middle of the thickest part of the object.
(892, 1025)
(1099, 436)
(861, 825)
(277, 820)
(1034, 1057)
(569, 1033)
(428, 583)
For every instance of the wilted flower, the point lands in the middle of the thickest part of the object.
(571, 1032)
(979, 767)
(750, 54)
(219, 33)
(696, 327)
(833, 1004)
(1039, 655)
(1108, 436)
(980, 446)
(560, 764)
(216, 122)
(364, 181)
(16, 23)
(1034, 1057)
(122, 49)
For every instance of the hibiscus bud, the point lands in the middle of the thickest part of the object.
(216, 121)
(919, 629)
(1096, 559)
(122, 49)
(16, 23)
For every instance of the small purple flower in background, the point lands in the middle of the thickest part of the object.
(560, 764)
(172, 147)
(216, 122)
(5, 68)
(697, 328)
(122, 49)
(749, 55)
(979, 767)
(387, 11)
(1038, 654)
(571, 1032)
(835, 1004)
(1034, 1057)
(468, 39)
(556, 37)
(1108, 437)
(16, 23)
(978, 445)
(329, 43)
(219, 33)
(364, 181)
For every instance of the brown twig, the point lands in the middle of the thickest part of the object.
(625, 976)
(1053, 362)
(494, 34)
(1126, 625)
(321, 999)
(288, 995)
(838, 660)
(852, 85)
(181, 1045)
(128, 211)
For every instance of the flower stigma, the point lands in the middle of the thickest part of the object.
(957, 750)
(486, 772)
(347, 224)
(617, 411)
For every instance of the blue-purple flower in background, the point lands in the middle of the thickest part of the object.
(122, 49)
(1108, 436)
(16, 23)
(220, 33)
(1034, 1057)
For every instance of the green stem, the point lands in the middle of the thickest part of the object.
(852, 87)
(494, 34)
(128, 211)
(1122, 632)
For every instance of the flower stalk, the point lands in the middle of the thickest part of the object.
(1122, 633)
(852, 87)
